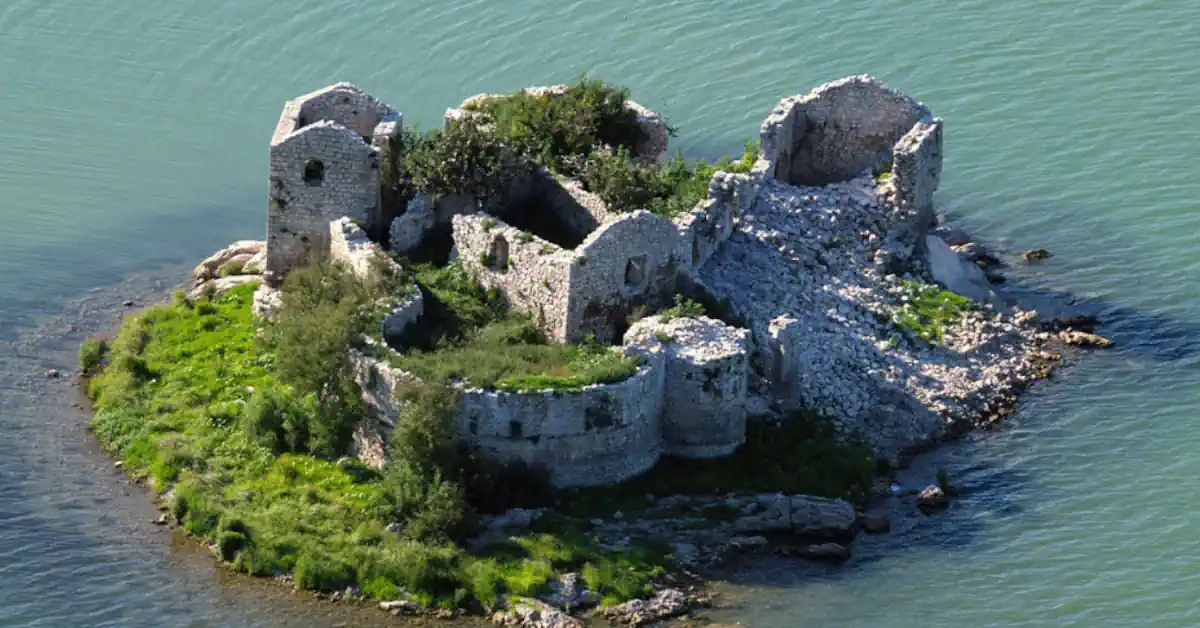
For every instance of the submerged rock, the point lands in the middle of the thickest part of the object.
(1083, 339)
(932, 498)
(1035, 255)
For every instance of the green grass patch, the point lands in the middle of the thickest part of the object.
(929, 310)
(467, 335)
(800, 455)
(195, 402)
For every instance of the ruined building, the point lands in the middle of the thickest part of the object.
(585, 269)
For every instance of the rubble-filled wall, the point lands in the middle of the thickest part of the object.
(837, 131)
(324, 164)
(531, 272)
(626, 263)
(704, 392)
(603, 435)
(546, 203)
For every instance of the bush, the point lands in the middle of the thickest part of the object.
(462, 159)
(323, 313)
(554, 129)
(92, 353)
(319, 571)
(683, 308)
(229, 544)
(278, 419)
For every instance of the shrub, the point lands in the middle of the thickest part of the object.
(323, 311)
(683, 308)
(320, 571)
(229, 544)
(466, 159)
(92, 353)
(553, 129)
(278, 419)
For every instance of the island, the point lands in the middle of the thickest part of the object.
(529, 365)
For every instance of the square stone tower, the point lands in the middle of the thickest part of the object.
(324, 164)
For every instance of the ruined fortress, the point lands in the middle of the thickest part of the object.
(699, 377)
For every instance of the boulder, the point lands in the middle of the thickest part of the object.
(236, 265)
(208, 268)
(527, 613)
(257, 264)
(222, 285)
(958, 275)
(827, 551)
(569, 593)
(932, 498)
(776, 518)
(1083, 339)
(664, 605)
(819, 516)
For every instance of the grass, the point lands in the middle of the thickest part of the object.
(800, 455)
(172, 404)
(91, 354)
(467, 335)
(930, 310)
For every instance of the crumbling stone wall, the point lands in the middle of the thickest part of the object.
(704, 393)
(711, 222)
(626, 263)
(602, 435)
(917, 169)
(532, 273)
(349, 244)
(837, 131)
(324, 164)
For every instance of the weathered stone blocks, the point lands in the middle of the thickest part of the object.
(704, 409)
(349, 244)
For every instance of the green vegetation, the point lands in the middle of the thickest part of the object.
(216, 420)
(468, 335)
(929, 310)
(683, 308)
(233, 267)
(91, 354)
(669, 189)
(801, 454)
(557, 130)
(585, 133)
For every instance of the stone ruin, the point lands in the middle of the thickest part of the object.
(583, 269)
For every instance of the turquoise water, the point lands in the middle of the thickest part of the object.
(133, 142)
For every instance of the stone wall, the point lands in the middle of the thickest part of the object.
(349, 244)
(711, 222)
(704, 398)
(626, 263)
(837, 131)
(917, 168)
(348, 106)
(602, 435)
(532, 272)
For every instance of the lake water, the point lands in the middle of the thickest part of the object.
(133, 142)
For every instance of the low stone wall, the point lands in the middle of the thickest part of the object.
(704, 404)
(602, 435)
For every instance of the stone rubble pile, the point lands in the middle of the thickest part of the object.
(820, 272)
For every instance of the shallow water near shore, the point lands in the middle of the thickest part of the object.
(134, 143)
